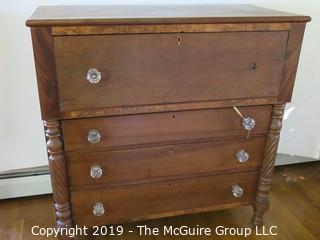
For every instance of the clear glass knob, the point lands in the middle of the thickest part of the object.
(242, 156)
(94, 136)
(96, 171)
(98, 209)
(248, 123)
(93, 75)
(237, 191)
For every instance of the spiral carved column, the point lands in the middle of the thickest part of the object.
(261, 204)
(58, 171)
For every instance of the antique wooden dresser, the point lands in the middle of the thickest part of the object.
(155, 111)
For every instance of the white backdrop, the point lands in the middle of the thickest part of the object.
(21, 134)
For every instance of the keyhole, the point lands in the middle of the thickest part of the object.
(179, 41)
(254, 66)
(171, 151)
(173, 116)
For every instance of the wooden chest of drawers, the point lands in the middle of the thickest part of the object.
(159, 111)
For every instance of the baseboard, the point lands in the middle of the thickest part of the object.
(25, 172)
(286, 159)
(25, 182)
(36, 181)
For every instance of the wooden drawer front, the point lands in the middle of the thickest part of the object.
(146, 200)
(161, 127)
(165, 161)
(140, 69)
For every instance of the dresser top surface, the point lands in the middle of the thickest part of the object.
(156, 14)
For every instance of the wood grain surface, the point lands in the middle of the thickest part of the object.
(161, 128)
(168, 68)
(262, 201)
(46, 72)
(168, 28)
(146, 14)
(291, 62)
(294, 196)
(58, 173)
(145, 164)
(168, 107)
(163, 108)
(175, 197)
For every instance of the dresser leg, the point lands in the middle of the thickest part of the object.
(261, 204)
(58, 172)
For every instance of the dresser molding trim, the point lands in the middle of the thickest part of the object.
(181, 212)
(127, 110)
(189, 211)
(261, 204)
(58, 172)
(168, 143)
(158, 14)
(167, 28)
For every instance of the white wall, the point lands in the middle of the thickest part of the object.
(21, 134)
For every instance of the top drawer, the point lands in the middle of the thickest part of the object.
(140, 69)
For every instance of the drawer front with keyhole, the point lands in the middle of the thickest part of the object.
(140, 69)
(162, 128)
(134, 202)
(149, 164)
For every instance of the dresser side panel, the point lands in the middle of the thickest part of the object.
(46, 72)
(291, 61)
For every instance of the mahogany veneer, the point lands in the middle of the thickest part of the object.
(140, 105)
(161, 161)
(153, 128)
(128, 62)
(151, 200)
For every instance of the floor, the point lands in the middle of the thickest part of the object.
(295, 210)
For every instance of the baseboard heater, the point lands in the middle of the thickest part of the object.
(25, 182)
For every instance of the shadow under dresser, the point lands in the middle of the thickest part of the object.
(156, 111)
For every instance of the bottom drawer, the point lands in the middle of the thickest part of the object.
(143, 201)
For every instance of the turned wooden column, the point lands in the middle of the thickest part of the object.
(58, 171)
(262, 203)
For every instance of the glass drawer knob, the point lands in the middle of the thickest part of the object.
(94, 136)
(248, 123)
(242, 156)
(98, 209)
(237, 191)
(96, 171)
(93, 75)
